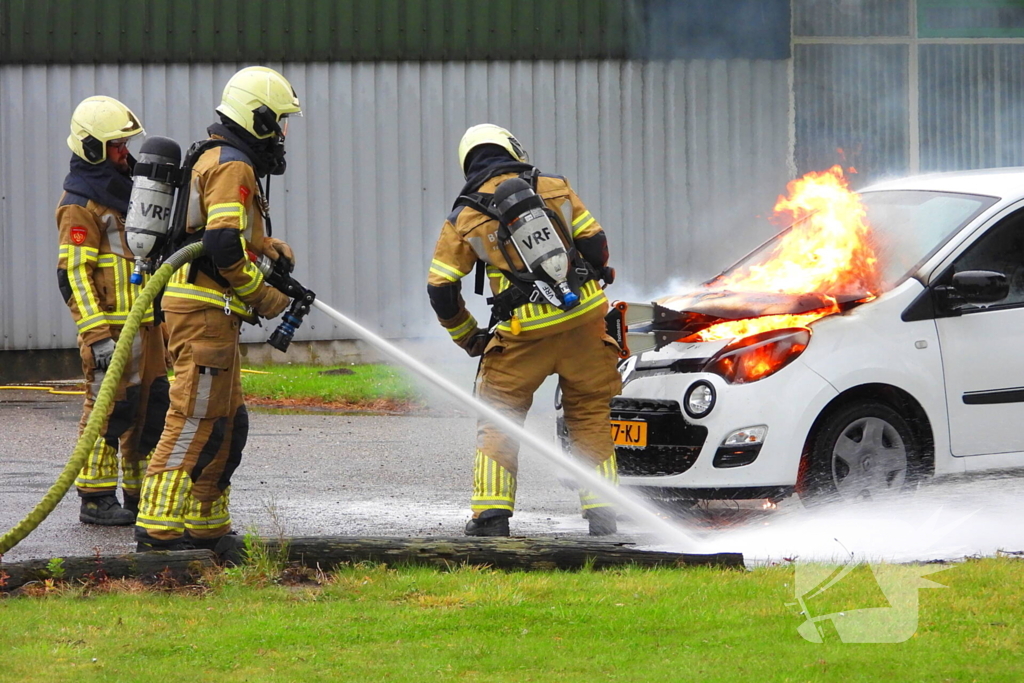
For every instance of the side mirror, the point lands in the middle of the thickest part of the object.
(979, 287)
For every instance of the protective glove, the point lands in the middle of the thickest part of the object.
(102, 352)
(477, 342)
(272, 304)
(277, 249)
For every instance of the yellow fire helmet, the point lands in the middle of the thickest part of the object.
(256, 98)
(96, 121)
(490, 134)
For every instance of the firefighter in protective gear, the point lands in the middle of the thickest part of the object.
(186, 488)
(539, 339)
(93, 272)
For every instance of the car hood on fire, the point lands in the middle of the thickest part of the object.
(726, 305)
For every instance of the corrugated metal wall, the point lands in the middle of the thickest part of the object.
(675, 158)
(972, 106)
(853, 98)
(851, 17)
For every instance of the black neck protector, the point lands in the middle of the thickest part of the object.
(101, 182)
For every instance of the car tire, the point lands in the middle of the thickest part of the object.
(861, 451)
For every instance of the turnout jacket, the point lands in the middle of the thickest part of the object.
(468, 236)
(94, 267)
(223, 204)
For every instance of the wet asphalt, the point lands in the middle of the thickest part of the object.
(411, 476)
(302, 474)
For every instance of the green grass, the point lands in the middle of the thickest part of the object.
(374, 623)
(305, 383)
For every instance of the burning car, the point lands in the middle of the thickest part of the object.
(875, 342)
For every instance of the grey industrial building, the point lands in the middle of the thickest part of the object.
(677, 122)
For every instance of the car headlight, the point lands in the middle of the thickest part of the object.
(699, 399)
(760, 355)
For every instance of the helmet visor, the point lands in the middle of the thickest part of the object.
(121, 143)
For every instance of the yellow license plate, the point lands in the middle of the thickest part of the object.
(629, 433)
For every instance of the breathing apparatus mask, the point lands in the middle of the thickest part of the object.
(265, 123)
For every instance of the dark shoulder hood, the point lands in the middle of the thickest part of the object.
(101, 182)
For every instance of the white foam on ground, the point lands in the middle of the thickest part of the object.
(948, 520)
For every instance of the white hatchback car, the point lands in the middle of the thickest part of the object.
(926, 378)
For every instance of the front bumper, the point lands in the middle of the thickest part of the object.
(688, 453)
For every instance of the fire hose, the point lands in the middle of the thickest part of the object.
(104, 397)
(303, 301)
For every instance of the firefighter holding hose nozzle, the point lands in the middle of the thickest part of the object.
(93, 276)
(546, 257)
(186, 488)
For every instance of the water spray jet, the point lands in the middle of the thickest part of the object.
(670, 534)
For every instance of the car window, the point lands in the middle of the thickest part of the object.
(907, 228)
(1001, 249)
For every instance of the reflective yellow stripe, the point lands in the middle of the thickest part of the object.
(93, 321)
(442, 269)
(124, 291)
(256, 279)
(229, 209)
(532, 317)
(210, 296)
(120, 296)
(78, 258)
(582, 223)
(460, 331)
(494, 487)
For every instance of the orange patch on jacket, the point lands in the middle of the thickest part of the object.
(78, 234)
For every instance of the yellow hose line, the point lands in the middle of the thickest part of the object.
(104, 398)
(52, 390)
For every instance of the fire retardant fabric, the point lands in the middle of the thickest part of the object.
(511, 371)
(468, 236)
(572, 344)
(188, 482)
(187, 485)
(93, 275)
(224, 205)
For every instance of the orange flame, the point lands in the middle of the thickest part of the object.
(827, 251)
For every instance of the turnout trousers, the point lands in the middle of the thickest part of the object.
(135, 420)
(511, 370)
(188, 482)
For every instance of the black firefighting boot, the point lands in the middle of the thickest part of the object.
(230, 548)
(146, 543)
(602, 521)
(489, 523)
(131, 503)
(105, 511)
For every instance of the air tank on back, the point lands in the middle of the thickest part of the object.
(533, 235)
(157, 174)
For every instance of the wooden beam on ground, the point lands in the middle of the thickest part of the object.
(328, 552)
(182, 566)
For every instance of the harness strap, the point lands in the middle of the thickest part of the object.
(504, 304)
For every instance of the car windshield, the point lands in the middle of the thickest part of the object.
(907, 228)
